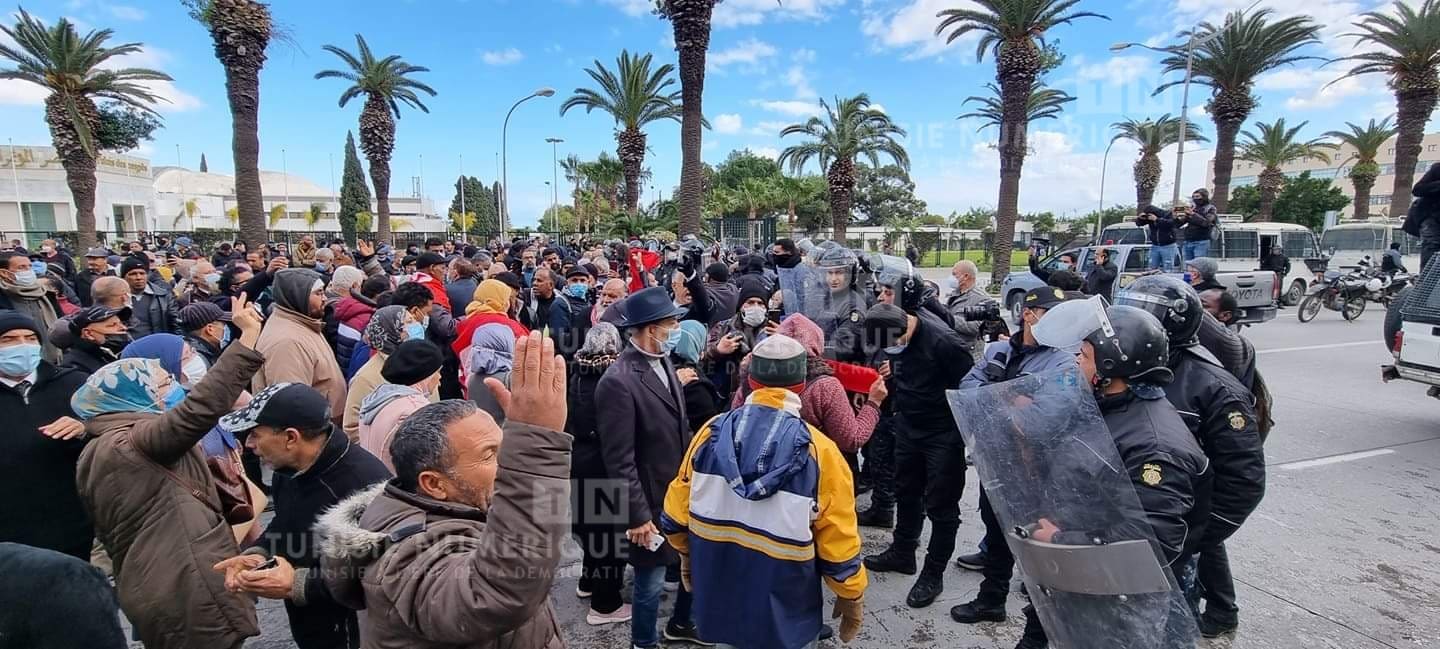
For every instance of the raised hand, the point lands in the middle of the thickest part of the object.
(365, 248)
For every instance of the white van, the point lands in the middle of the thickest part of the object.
(1238, 245)
(1349, 242)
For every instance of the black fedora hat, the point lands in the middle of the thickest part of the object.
(646, 306)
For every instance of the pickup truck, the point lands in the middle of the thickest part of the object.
(1412, 329)
(1256, 292)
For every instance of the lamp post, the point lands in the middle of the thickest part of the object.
(505, 163)
(1104, 163)
(555, 175)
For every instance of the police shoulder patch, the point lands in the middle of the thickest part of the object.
(854, 316)
(1237, 420)
(1150, 474)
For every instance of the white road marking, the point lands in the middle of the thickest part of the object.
(1333, 459)
(1312, 347)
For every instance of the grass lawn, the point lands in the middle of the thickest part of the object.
(949, 257)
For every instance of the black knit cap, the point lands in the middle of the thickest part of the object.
(751, 289)
(132, 263)
(412, 362)
(11, 320)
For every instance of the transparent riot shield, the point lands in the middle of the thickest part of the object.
(802, 290)
(1046, 460)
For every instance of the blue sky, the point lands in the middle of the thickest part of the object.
(769, 64)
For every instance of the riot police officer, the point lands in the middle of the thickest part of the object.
(1127, 361)
(844, 305)
(1219, 411)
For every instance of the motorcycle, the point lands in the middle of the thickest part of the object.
(1343, 292)
(1380, 286)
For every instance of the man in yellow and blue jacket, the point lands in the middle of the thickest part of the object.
(764, 508)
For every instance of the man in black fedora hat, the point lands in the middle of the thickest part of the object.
(645, 435)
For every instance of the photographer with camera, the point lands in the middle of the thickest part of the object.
(969, 301)
(731, 340)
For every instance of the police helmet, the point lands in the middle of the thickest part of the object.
(1131, 345)
(1173, 302)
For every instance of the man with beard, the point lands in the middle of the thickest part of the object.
(295, 350)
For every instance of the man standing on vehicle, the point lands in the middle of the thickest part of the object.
(1161, 225)
(1198, 224)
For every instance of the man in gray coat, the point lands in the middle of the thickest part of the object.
(967, 295)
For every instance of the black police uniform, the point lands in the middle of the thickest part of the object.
(1218, 411)
(843, 323)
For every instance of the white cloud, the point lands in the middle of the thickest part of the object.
(728, 123)
(795, 108)
(1115, 70)
(506, 56)
(881, 108)
(22, 93)
(633, 7)
(736, 13)
(803, 55)
(799, 81)
(766, 152)
(912, 27)
(750, 52)
(770, 128)
(175, 99)
(124, 12)
(1315, 88)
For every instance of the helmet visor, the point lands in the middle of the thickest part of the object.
(1067, 325)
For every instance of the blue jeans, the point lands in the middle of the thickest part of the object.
(1195, 249)
(645, 606)
(1163, 257)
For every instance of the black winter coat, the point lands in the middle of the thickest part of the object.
(77, 608)
(920, 381)
(154, 312)
(1218, 410)
(644, 432)
(37, 474)
(86, 357)
(1101, 279)
(83, 281)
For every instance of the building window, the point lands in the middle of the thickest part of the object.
(38, 219)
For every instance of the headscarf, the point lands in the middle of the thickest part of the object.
(491, 296)
(165, 348)
(126, 385)
(492, 349)
(343, 281)
(807, 333)
(692, 340)
(292, 289)
(386, 329)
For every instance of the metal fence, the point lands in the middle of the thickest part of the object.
(207, 239)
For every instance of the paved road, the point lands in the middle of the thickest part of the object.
(1343, 553)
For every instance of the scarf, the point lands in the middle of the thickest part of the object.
(126, 385)
(386, 329)
(492, 350)
(491, 296)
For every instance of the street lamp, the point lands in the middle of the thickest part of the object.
(504, 162)
(554, 175)
(1100, 214)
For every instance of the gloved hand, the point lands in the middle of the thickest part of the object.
(850, 612)
(685, 573)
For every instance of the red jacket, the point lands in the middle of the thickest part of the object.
(437, 289)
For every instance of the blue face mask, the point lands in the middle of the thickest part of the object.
(415, 331)
(578, 291)
(896, 350)
(19, 360)
(671, 341)
(224, 336)
(174, 397)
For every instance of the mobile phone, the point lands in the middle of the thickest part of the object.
(269, 564)
(654, 542)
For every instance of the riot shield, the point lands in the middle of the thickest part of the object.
(1045, 457)
(802, 290)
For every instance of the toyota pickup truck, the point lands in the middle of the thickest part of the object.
(1256, 292)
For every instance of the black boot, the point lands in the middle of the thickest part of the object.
(978, 610)
(1214, 626)
(882, 517)
(1034, 637)
(928, 587)
(892, 560)
(970, 561)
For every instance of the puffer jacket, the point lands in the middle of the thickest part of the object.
(351, 316)
(142, 480)
(425, 571)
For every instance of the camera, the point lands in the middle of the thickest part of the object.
(980, 312)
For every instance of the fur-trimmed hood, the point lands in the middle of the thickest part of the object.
(341, 536)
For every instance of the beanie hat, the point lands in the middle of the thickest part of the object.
(132, 263)
(779, 361)
(412, 361)
(12, 320)
(199, 314)
(752, 289)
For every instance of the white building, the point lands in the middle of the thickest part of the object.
(131, 196)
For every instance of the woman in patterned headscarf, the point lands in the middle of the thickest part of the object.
(387, 329)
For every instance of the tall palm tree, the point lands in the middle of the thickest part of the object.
(604, 175)
(1043, 103)
(851, 128)
(1013, 31)
(241, 30)
(1152, 135)
(691, 22)
(1273, 147)
(635, 95)
(385, 84)
(1248, 45)
(571, 165)
(1408, 52)
(70, 67)
(1367, 141)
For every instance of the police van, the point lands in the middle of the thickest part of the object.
(1239, 246)
(1347, 244)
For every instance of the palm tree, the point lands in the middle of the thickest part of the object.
(1366, 140)
(691, 22)
(1152, 136)
(604, 175)
(1043, 103)
(1272, 148)
(72, 68)
(277, 212)
(241, 30)
(1247, 46)
(850, 129)
(571, 165)
(385, 84)
(634, 95)
(312, 215)
(1013, 31)
(1409, 53)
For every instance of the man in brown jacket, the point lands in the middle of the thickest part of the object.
(295, 349)
(461, 548)
(144, 481)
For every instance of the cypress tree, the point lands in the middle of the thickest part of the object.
(354, 193)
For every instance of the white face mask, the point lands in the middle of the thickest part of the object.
(752, 316)
(25, 278)
(193, 370)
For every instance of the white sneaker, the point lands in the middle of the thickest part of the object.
(621, 614)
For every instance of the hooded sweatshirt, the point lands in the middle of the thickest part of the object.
(382, 412)
(768, 508)
(294, 349)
